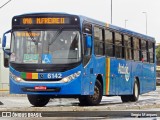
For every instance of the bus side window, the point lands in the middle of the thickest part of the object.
(136, 47)
(127, 44)
(144, 50)
(109, 43)
(118, 45)
(151, 51)
(98, 41)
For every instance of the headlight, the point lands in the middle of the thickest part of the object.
(71, 77)
(18, 79)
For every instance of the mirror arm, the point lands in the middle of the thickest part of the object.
(7, 32)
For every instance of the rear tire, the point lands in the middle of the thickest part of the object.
(134, 97)
(92, 100)
(38, 100)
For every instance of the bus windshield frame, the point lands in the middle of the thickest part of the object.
(46, 46)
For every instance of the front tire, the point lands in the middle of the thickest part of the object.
(92, 100)
(38, 100)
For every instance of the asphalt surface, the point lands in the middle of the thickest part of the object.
(19, 103)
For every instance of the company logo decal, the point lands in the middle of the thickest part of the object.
(122, 69)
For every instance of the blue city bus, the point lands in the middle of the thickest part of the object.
(55, 55)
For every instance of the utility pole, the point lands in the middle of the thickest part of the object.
(125, 23)
(111, 11)
(146, 20)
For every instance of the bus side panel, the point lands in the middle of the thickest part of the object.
(149, 78)
(99, 68)
(120, 77)
(124, 77)
(111, 76)
(88, 78)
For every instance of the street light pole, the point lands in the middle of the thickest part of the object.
(126, 23)
(146, 20)
(111, 11)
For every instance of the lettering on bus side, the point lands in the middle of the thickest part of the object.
(122, 69)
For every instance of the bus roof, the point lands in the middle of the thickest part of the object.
(118, 29)
(99, 23)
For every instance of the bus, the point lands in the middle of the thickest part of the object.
(60, 55)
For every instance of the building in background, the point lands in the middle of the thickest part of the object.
(4, 72)
(158, 68)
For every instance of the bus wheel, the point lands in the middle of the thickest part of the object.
(38, 100)
(135, 95)
(95, 99)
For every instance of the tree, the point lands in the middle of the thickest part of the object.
(158, 53)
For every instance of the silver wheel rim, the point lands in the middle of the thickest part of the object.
(136, 90)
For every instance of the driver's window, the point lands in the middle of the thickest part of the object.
(87, 30)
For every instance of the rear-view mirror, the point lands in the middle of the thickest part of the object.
(88, 41)
(4, 41)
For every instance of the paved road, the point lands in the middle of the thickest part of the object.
(146, 101)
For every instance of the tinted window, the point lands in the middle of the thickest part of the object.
(151, 52)
(144, 50)
(136, 46)
(98, 41)
(118, 39)
(108, 43)
(118, 45)
(127, 45)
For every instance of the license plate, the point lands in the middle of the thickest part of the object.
(40, 87)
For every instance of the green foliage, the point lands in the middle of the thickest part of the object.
(158, 52)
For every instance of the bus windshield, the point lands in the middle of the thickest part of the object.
(46, 47)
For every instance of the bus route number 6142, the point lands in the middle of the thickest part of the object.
(54, 75)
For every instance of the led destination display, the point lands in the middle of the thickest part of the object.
(46, 20)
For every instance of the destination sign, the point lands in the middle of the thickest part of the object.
(27, 34)
(45, 21)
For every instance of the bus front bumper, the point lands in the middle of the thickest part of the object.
(46, 88)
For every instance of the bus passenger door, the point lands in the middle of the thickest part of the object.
(87, 60)
(110, 69)
(88, 70)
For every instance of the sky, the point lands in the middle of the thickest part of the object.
(130, 11)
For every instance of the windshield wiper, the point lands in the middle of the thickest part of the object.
(31, 36)
(56, 36)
